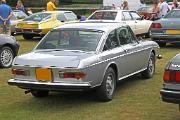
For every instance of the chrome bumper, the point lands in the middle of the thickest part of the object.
(61, 86)
(170, 96)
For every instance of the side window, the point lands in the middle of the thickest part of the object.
(111, 41)
(135, 16)
(125, 36)
(70, 16)
(126, 16)
(61, 17)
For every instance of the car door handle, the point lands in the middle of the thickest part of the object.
(126, 50)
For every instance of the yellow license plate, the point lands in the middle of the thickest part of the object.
(174, 32)
(43, 74)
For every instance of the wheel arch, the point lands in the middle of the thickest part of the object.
(114, 67)
(9, 45)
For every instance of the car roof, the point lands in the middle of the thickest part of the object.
(114, 10)
(103, 26)
(56, 11)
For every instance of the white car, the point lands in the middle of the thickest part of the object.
(139, 25)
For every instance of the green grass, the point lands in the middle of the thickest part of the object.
(135, 99)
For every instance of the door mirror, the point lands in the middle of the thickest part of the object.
(140, 38)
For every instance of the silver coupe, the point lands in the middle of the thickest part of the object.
(80, 56)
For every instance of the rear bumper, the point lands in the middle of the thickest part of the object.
(61, 86)
(170, 96)
(165, 38)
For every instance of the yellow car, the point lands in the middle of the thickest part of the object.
(41, 23)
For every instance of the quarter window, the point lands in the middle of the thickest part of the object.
(126, 16)
(125, 36)
(61, 17)
(112, 41)
(135, 16)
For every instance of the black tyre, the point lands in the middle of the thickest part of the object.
(147, 35)
(149, 72)
(161, 44)
(28, 36)
(40, 93)
(6, 57)
(106, 91)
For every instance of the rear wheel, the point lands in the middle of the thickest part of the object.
(6, 56)
(27, 36)
(161, 44)
(147, 35)
(149, 72)
(106, 91)
(40, 93)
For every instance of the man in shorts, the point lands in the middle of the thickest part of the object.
(5, 16)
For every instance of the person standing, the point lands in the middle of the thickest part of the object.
(20, 6)
(51, 5)
(125, 5)
(155, 10)
(175, 4)
(164, 8)
(5, 16)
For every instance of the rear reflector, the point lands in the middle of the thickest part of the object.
(156, 25)
(37, 30)
(173, 76)
(178, 76)
(20, 72)
(76, 75)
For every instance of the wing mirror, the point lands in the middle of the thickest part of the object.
(140, 38)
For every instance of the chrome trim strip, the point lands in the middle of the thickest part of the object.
(84, 84)
(118, 56)
(132, 74)
(168, 91)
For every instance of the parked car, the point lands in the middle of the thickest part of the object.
(167, 29)
(170, 4)
(41, 23)
(8, 50)
(18, 16)
(132, 18)
(80, 56)
(171, 86)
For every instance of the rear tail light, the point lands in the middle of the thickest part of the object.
(156, 25)
(76, 75)
(18, 29)
(171, 76)
(37, 30)
(20, 72)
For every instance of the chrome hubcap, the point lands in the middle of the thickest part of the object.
(6, 57)
(110, 84)
(151, 66)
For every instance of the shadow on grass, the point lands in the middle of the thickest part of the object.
(173, 46)
(76, 99)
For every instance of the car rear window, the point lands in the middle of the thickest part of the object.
(39, 17)
(105, 15)
(84, 40)
(173, 14)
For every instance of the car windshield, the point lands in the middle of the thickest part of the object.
(104, 15)
(39, 17)
(83, 40)
(18, 15)
(173, 14)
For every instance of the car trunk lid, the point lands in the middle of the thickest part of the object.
(62, 59)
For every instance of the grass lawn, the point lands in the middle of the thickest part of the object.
(135, 99)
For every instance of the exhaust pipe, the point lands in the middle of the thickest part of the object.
(27, 91)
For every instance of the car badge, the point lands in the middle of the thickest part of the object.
(176, 66)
